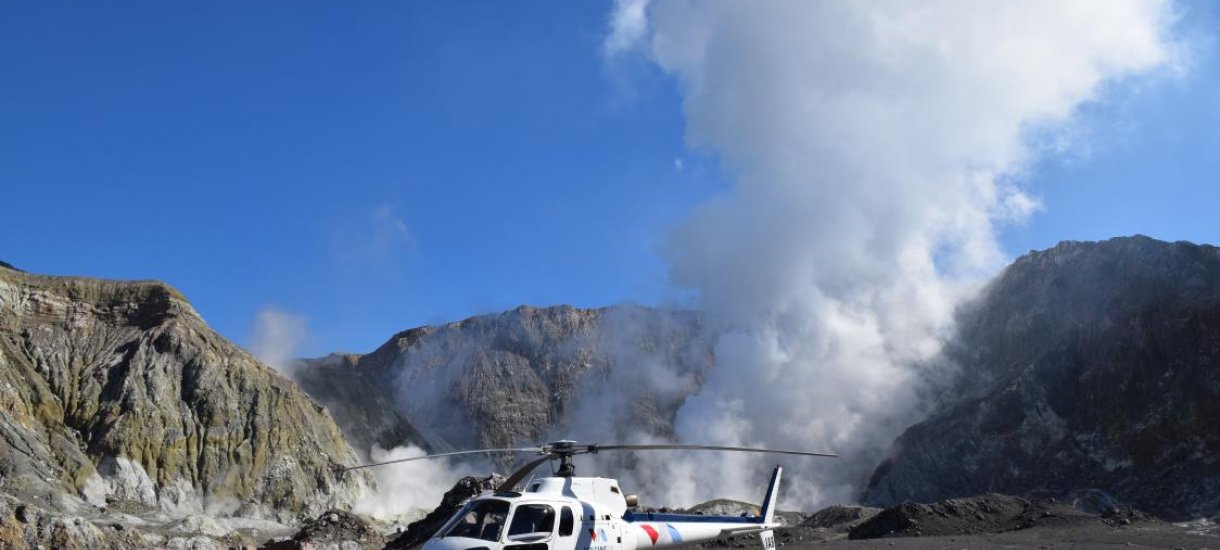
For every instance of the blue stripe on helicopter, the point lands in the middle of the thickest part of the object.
(674, 535)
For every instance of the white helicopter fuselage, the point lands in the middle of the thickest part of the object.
(586, 513)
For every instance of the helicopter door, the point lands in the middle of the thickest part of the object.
(568, 533)
(532, 527)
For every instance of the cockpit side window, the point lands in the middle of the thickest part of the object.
(532, 518)
(480, 519)
(567, 522)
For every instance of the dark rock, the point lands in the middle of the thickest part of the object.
(1089, 366)
(840, 518)
(337, 527)
(992, 513)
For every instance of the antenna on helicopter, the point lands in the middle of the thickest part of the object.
(564, 450)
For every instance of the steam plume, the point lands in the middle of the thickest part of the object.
(408, 489)
(876, 149)
(277, 337)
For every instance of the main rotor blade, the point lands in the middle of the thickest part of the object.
(519, 475)
(678, 447)
(443, 455)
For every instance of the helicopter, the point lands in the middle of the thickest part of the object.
(565, 512)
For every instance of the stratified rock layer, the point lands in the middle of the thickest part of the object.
(118, 391)
(1086, 366)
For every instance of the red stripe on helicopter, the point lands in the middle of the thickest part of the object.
(652, 533)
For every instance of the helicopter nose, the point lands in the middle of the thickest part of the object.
(459, 543)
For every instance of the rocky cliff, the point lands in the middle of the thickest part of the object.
(1089, 367)
(364, 410)
(118, 394)
(518, 376)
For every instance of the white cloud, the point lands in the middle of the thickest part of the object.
(388, 233)
(875, 146)
(376, 239)
(277, 337)
(628, 25)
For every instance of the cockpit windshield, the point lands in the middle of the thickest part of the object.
(480, 519)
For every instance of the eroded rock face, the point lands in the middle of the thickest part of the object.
(118, 391)
(520, 376)
(1086, 366)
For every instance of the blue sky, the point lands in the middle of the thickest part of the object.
(377, 166)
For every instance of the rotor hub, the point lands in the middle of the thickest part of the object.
(564, 450)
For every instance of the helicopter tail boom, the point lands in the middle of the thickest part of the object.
(668, 530)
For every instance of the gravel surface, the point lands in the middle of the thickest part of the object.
(1090, 535)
